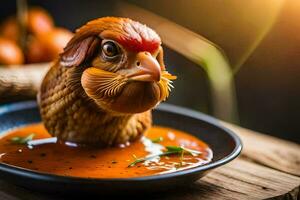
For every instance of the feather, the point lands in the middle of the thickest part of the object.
(101, 84)
(165, 84)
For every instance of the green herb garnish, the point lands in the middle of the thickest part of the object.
(138, 160)
(174, 148)
(171, 150)
(22, 140)
(157, 140)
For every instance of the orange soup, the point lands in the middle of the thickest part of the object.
(161, 150)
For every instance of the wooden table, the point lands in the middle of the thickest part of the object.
(268, 168)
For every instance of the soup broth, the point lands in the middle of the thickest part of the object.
(150, 155)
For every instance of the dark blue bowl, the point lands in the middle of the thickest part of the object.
(225, 144)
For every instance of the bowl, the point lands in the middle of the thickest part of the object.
(225, 145)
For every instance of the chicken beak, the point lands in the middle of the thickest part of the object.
(146, 68)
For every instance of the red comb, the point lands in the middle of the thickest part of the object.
(135, 45)
(137, 37)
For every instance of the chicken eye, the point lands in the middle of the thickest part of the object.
(110, 49)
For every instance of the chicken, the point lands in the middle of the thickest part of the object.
(103, 86)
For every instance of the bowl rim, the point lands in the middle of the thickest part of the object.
(7, 108)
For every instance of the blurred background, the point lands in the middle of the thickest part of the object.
(236, 60)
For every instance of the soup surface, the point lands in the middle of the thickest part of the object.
(161, 150)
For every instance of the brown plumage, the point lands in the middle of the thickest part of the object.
(102, 88)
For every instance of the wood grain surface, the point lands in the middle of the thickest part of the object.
(269, 151)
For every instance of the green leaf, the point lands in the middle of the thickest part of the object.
(171, 150)
(15, 139)
(22, 140)
(191, 151)
(174, 148)
(157, 140)
(138, 160)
